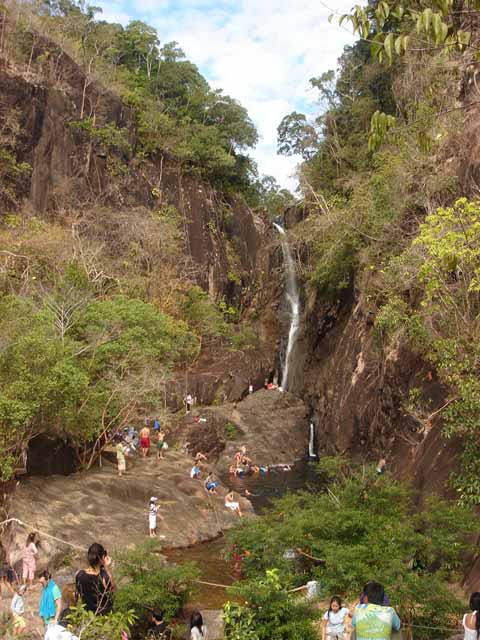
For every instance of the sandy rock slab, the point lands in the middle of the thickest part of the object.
(98, 506)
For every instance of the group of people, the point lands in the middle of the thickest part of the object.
(211, 483)
(374, 617)
(127, 443)
(94, 588)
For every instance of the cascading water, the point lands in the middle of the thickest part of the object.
(293, 300)
(311, 442)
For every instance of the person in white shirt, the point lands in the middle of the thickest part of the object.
(333, 627)
(152, 516)
(198, 630)
(471, 621)
(18, 609)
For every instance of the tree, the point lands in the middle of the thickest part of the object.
(296, 136)
(82, 370)
(138, 47)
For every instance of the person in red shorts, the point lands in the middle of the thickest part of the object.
(145, 441)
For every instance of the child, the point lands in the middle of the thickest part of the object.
(120, 448)
(152, 516)
(333, 626)
(18, 609)
(29, 561)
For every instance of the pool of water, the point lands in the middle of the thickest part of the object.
(265, 487)
(209, 555)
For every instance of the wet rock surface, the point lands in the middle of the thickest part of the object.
(271, 424)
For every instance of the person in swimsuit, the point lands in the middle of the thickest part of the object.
(145, 441)
(232, 504)
(160, 444)
(211, 484)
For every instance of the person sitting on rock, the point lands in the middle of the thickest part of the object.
(211, 484)
(232, 504)
(195, 472)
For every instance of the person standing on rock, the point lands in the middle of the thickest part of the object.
(145, 441)
(29, 562)
(50, 600)
(95, 585)
(152, 517)
(121, 464)
(198, 630)
(160, 444)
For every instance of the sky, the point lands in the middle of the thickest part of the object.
(260, 52)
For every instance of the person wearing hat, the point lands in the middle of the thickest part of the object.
(18, 609)
(152, 516)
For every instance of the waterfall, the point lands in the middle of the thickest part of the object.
(311, 442)
(293, 300)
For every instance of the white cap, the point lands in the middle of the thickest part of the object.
(153, 499)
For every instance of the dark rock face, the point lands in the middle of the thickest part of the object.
(48, 456)
(357, 394)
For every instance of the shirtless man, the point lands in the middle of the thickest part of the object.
(145, 441)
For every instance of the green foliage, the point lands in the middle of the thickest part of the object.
(175, 109)
(270, 612)
(87, 625)
(395, 26)
(365, 527)
(108, 136)
(147, 583)
(80, 363)
(13, 177)
(442, 265)
(230, 431)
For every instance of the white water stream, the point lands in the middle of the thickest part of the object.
(293, 300)
(311, 442)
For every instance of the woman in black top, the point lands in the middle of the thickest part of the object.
(95, 585)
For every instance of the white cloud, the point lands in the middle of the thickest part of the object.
(262, 53)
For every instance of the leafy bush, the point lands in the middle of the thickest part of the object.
(270, 613)
(87, 625)
(364, 528)
(147, 583)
